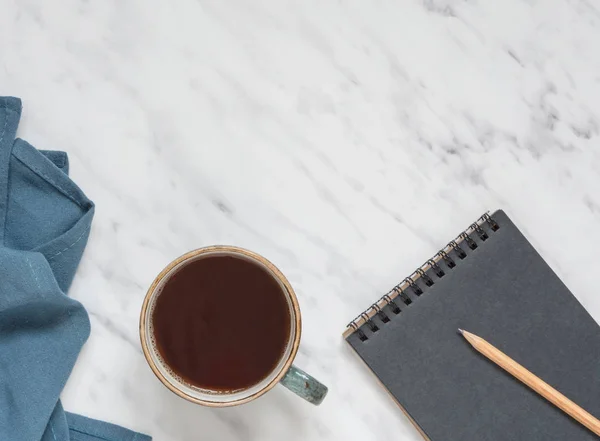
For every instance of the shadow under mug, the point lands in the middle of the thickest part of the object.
(285, 373)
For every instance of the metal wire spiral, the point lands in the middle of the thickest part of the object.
(398, 292)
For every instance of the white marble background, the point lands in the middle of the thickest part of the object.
(346, 141)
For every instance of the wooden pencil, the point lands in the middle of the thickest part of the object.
(534, 382)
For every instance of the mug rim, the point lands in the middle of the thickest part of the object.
(275, 272)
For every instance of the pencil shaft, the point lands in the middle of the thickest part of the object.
(533, 381)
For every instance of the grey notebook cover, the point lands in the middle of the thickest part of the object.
(504, 292)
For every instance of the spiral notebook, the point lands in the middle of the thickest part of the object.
(492, 282)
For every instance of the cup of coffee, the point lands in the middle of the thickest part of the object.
(220, 326)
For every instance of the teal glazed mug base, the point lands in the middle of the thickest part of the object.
(285, 373)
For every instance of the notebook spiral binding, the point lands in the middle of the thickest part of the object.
(398, 293)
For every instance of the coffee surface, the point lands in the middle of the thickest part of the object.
(221, 323)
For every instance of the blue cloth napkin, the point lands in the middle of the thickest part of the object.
(45, 222)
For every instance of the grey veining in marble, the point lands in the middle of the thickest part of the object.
(346, 141)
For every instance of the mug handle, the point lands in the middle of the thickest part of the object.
(304, 385)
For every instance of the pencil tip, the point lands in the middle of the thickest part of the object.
(461, 332)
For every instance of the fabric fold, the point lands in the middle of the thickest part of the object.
(45, 222)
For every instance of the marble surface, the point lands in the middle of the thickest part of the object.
(346, 141)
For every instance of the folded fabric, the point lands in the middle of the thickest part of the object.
(45, 222)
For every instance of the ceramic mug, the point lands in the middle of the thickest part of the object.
(285, 372)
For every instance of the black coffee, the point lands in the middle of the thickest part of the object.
(221, 323)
